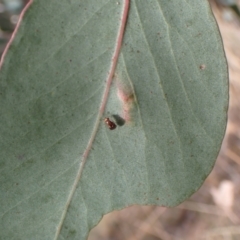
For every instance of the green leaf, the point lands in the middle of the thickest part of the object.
(61, 167)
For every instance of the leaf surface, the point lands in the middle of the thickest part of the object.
(61, 167)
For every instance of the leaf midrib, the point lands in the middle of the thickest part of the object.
(111, 71)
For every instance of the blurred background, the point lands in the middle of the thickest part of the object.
(213, 212)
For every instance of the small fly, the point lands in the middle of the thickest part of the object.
(111, 125)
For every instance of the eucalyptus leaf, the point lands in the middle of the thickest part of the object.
(62, 167)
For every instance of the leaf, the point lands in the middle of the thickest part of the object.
(62, 168)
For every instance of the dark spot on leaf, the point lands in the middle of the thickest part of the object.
(47, 198)
(21, 157)
(119, 120)
(72, 232)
